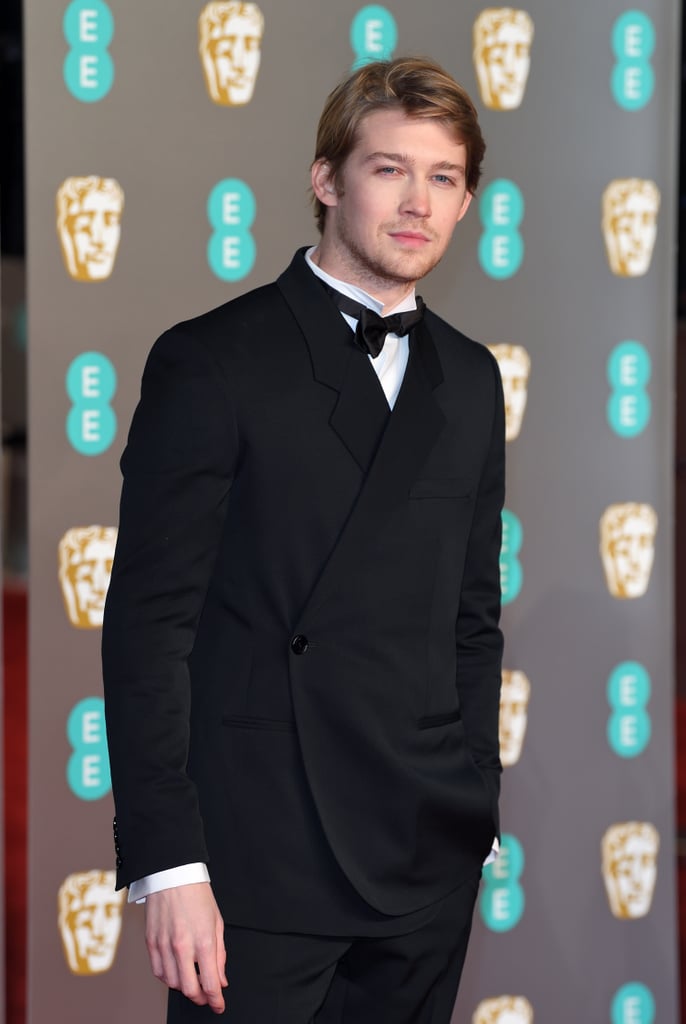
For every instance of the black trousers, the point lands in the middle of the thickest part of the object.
(314, 979)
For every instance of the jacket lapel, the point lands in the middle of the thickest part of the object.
(361, 412)
(412, 431)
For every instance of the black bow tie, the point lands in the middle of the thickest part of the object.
(371, 328)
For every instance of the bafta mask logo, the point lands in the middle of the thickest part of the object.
(504, 1010)
(89, 920)
(89, 212)
(514, 364)
(230, 50)
(85, 567)
(629, 865)
(502, 55)
(629, 222)
(514, 705)
(627, 547)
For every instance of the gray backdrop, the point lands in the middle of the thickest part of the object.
(548, 936)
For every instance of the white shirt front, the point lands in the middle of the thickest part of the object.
(391, 362)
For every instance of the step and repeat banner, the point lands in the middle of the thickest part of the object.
(168, 153)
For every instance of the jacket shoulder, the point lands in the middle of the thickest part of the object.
(242, 315)
(453, 345)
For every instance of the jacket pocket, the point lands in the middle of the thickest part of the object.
(447, 487)
(433, 721)
(246, 722)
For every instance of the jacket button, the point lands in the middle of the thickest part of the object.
(299, 644)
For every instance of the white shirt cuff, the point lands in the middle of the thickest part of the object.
(185, 874)
(495, 850)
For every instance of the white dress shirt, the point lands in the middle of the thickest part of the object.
(389, 366)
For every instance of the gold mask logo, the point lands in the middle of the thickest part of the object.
(514, 705)
(230, 50)
(514, 364)
(89, 212)
(629, 224)
(504, 1010)
(89, 915)
(627, 547)
(629, 866)
(502, 55)
(85, 555)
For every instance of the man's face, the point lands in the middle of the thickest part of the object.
(95, 922)
(393, 208)
(94, 228)
(90, 578)
(237, 59)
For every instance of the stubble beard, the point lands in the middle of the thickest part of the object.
(379, 270)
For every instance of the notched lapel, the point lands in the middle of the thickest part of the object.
(361, 412)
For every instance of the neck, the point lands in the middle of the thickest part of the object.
(389, 291)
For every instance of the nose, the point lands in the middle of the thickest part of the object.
(416, 201)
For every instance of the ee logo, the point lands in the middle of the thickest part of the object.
(231, 212)
(510, 566)
(633, 1004)
(88, 768)
(373, 35)
(628, 373)
(628, 692)
(88, 27)
(91, 422)
(501, 248)
(502, 896)
(633, 43)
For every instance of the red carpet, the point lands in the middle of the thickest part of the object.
(14, 618)
(14, 772)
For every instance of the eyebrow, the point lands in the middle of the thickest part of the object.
(404, 158)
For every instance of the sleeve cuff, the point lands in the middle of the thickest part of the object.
(185, 874)
(495, 850)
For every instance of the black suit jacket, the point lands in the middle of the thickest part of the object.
(301, 648)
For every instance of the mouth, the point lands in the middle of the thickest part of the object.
(413, 239)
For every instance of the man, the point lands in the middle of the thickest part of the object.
(301, 643)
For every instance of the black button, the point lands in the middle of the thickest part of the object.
(299, 644)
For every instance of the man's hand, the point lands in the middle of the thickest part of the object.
(183, 927)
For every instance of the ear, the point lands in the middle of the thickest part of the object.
(323, 184)
(465, 205)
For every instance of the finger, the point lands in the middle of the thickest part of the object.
(210, 979)
(221, 953)
(156, 964)
(190, 983)
(162, 962)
